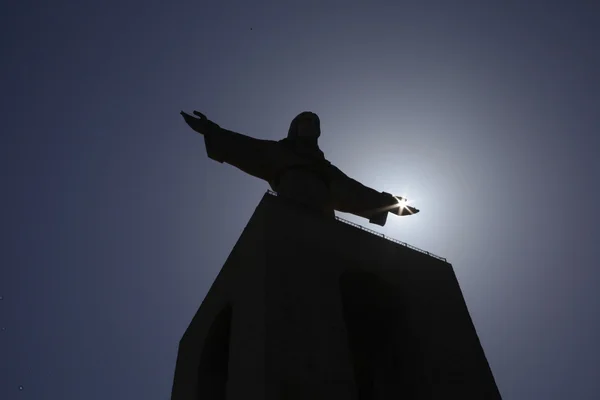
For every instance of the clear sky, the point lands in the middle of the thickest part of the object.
(114, 222)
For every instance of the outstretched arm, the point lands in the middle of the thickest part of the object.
(353, 197)
(253, 156)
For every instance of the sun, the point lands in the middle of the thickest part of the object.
(400, 201)
(403, 202)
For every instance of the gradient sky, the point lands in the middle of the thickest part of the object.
(114, 222)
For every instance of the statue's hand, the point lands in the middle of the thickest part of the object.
(405, 208)
(202, 125)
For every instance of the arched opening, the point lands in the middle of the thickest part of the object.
(213, 371)
(384, 353)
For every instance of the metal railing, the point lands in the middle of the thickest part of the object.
(272, 193)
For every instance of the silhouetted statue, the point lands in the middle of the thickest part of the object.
(296, 169)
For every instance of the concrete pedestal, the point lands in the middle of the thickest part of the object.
(313, 308)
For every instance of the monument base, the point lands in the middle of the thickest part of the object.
(314, 308)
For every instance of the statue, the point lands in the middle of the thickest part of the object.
(297, 170)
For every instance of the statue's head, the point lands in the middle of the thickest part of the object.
(305, 127)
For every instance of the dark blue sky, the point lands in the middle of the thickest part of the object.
(114, 222)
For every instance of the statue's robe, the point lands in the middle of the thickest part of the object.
(304, 177)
